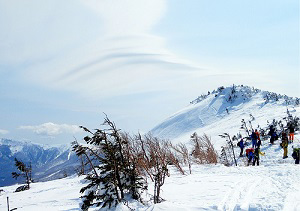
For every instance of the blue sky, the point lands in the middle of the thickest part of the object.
(64, 63)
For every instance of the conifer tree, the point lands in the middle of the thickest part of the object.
(24, 171)
(115, 174)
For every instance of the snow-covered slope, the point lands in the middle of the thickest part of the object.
(274, 185)
(222, 111)
(47, 162)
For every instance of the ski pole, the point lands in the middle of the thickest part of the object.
(7, 203)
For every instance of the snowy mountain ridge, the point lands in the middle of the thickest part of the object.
(247, 92)
(211, 112)
(17, 146)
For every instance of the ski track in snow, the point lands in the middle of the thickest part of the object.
(273, 185)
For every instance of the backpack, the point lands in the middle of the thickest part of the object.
(238, 144)
(249, 151)
(295, 154)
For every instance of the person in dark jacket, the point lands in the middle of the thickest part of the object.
(273, 134)
(254, 139)
(296, 155)
(291, 132)
(242, 146)
(250, 156)
(256, 157)
(283, 134)
(258, 143)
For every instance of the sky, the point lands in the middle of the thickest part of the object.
(68, 63)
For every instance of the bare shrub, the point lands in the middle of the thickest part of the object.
(182, 154)
(152, 154)
(174, 158)
(203, 150)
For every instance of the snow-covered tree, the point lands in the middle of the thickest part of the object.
(115, 174)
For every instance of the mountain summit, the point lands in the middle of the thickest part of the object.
(222, 109)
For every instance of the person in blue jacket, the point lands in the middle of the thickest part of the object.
(242, 146)
(250, 157)
(254, 139)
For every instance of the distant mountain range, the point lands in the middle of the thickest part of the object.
(48, 163)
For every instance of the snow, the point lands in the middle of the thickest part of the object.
(274, 185)
(53, 195)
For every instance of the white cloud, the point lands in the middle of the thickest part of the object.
(3, 132)
(125, 57)
(123, 17)
(52, 129)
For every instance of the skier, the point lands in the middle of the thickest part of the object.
(241, 145)
(291, 132)
(296, 155)
(256, 156)
(254, 139)
(284, 145)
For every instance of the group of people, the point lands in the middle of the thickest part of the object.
(254, 152)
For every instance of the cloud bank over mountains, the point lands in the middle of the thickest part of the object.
(52, 129)
(3, 132)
